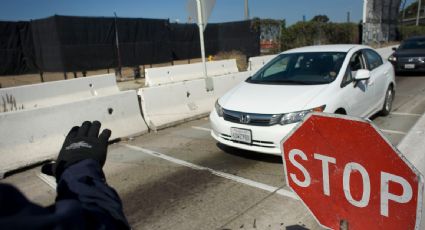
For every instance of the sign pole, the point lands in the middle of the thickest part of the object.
(343, 225)
(208, 81)
(419, 12)
(117, 43)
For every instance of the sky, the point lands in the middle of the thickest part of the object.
(176, 10)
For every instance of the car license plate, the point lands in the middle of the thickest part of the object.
(241, 135)
(409, 66)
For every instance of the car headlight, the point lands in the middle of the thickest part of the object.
(289, 118)
(421, 59)
(218, 109)
(392, 58)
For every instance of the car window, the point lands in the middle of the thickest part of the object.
(348, 77)
(356, 63)
(301, 68)
(278, 68)
(374, 60)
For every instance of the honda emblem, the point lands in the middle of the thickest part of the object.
(245, 119)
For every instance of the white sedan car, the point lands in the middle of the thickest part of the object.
(342, 79)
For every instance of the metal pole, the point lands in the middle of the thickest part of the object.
(419, 11)
(118, 47)
(364, 27)
(404, 10)
(208, 80)
(348, 16)
(343, 225)
(246, 10)
(364, 11)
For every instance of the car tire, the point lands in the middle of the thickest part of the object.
(388, 102)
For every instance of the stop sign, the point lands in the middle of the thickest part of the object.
(345, 171)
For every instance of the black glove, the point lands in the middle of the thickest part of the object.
(81, 143)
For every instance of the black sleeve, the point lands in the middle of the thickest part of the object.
(84, 201)
(101, 206)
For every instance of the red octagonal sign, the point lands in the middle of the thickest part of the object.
(344, 171)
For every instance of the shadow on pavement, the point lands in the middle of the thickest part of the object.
(250, 155)
(410, 74)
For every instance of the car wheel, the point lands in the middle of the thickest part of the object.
(388, 102)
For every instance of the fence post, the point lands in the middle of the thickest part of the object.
(41, 77)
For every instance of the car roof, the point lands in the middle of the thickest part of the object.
(326, 48)
(415, 38)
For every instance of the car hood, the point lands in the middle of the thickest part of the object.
(270, 99)
(410, 53)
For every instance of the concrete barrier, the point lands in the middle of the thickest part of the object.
(179, 73)
(34, 135)
(255, 63)
(413, 146)
(171, 104)
(224, 83)
(56, 92)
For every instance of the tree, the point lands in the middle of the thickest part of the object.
(320, 18)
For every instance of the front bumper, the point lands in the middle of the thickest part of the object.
(401, 66)
(265, 139)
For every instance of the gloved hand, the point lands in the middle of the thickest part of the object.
(81, 143)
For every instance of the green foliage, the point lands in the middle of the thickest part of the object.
(313, 33)
(410, 31)
(411, 9)
(320, 18)
(258, 23)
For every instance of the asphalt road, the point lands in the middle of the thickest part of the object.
(180, 178)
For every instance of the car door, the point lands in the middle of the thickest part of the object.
(356, 94)
(378, 76)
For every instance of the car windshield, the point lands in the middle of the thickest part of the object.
(413, 44)
(300, 68)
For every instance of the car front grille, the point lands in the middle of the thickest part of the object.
(250, 118)
(264, 144)
(409, 59)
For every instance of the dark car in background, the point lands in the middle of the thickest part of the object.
(410, 55)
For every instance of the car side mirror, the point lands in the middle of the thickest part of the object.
(362, 74)
(394, 48)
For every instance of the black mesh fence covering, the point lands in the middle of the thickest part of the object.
(144, 41)
(70, 44)
(85, 43)
(184, 39)
(47, 46)
(217, 37)
(16, 49)
(238, 36)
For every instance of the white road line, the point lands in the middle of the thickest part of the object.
(393, 131)
(406, 114)
(50, 181)
(201, 128)
(255, 184)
